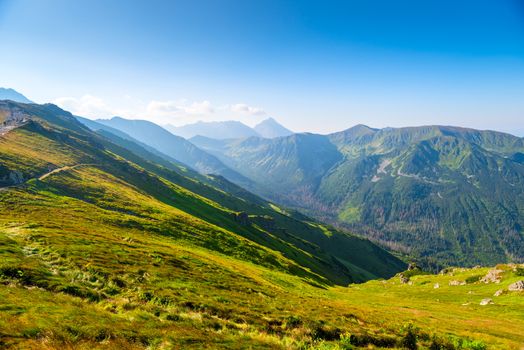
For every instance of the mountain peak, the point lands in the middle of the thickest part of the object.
(270, 128)
(220, 130)
(362, 129)
(13, 95)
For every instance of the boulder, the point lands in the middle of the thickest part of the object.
(456, 283)
(436, 285)
(516, 287)
(493, 276)
(413, 266)
(486, 301)
(498, 293)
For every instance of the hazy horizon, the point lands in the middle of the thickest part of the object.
(252, 123)
(314, 68)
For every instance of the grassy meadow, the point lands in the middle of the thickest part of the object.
(116, 254)
(132, 272)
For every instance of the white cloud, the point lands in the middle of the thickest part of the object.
(243, 108)
(176, 112)
(179, 108)
(86, 106)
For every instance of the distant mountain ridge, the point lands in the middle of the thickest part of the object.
(231, 129)
(175, 147)
(13, 95)
(270, 128)
(447, 195)
(217, 130)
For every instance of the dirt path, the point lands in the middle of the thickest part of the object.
(44, 176)
(64, 168)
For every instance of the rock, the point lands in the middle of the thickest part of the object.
(413, 266)
(486, 301)
(403, 279)
(517, 286)
(493, 276)
(456, 283)
(436, 285)
(498, 293)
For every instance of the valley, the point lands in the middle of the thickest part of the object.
(442, 195)
(143, 255)
(252, 175)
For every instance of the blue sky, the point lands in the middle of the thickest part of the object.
(314, 66)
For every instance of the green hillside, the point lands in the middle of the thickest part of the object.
(171, 145)
(103, 248)
(445, 195)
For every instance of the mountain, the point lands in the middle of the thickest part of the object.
(444, 195)
(10, 94)
(68, 143)
(173, 146)
(270, 128)
(126, 141)
(102, 247)
(216, 130)
(292, 165)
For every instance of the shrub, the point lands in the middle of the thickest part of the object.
(319, 331)
(474, 345)
(31, 333)
(473, 279)
(409, 341)
(519, 271)
(293, 322)
(440, 344)
(273, 326)
(460, 343)
(27, 277)
(345, 341)
(361, 340)
(173, 317)
(80, 292)
(120, 283)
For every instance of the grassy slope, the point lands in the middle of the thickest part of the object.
(366, 260)
(67, 138)
(108, 285)
(95, 257)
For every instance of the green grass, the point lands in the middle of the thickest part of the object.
(110, 267)
(120, 255)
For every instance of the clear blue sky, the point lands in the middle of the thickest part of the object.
(315, 66)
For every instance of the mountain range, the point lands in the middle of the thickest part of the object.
(442, 195)
(268, 128)
(115, 156)
(445, 195)
(108, 240)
